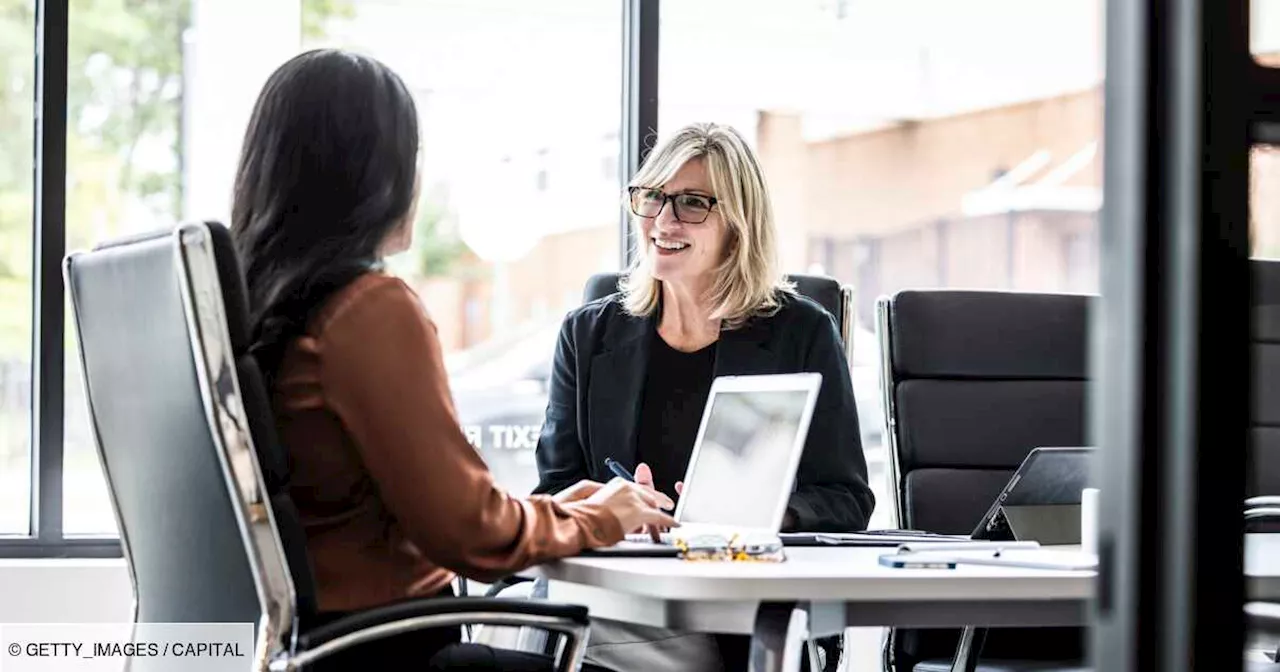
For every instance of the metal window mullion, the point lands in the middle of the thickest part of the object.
(639, 97)
(49, 236)
(28, 547)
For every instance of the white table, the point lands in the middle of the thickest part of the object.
(820, 591)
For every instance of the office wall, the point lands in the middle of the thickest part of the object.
(64, 591)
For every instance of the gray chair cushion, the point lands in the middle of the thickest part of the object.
(952, 501)
(986, 423)
(990, 335)
(1264, 478)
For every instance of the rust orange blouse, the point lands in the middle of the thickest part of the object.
(393, 498)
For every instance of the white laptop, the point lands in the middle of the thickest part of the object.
(744, 461)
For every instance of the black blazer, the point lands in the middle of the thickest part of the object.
(599, 372)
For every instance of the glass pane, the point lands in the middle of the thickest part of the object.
(520, 104)
(961, 151)
(1264, 206)
(159, 96)
(125, 90)
(17, 152)
(1264, 25)
(159, 103)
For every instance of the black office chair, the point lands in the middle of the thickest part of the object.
(1264, 477)
(974, 381)
(827, 292)
(198, 481)
(1262, 506)
(838, 301)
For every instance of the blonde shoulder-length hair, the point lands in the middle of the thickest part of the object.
(748, 282)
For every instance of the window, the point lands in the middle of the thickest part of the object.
(961, 151)
(1264, 39)
(158, 96)
(125, 87)
(17, 155)
(900, 153)
(516, 213)
(1264, 188)
(158, 106)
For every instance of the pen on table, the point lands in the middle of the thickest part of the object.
(618, 469)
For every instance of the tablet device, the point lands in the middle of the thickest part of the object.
(1041, 502)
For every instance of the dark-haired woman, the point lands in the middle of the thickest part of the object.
(393, 498)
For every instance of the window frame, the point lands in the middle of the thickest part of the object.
(46, 537)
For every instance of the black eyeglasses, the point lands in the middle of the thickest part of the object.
(688, 208)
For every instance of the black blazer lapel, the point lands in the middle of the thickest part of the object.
(615, 392)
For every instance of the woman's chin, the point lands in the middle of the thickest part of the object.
(673, 275)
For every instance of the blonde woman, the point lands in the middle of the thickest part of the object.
(704, 298)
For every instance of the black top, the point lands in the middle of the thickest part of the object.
(598, 379)
(675, 394)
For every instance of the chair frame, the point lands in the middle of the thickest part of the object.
(280, 646)
(889, 408)
(969, 646)
(848, 319)
(94, 431)
(1261, 617)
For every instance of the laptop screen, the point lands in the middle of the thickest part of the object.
(740, 472)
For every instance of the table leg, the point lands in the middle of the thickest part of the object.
(968, 649)
(780, 633)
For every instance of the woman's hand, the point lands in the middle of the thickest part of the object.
(636, 506)
(644, 477)
(578, 491)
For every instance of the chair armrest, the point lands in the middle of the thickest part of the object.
(1262, 617)
(503, 584)
(393, 619)
(1261, 501)
(1263, 513)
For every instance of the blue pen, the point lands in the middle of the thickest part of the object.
(618, 469)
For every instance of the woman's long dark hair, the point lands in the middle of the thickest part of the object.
(327, 173)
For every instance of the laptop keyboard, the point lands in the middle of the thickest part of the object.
(664, 539)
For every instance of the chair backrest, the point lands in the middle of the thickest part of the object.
(973, 382)
(238, 405)
(1028, 338)
(185, 434)
(825, 291)
(1264, 476)
(178, 521)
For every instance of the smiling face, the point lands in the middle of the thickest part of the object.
(684, 252)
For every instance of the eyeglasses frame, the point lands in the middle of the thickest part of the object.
(667, 198)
